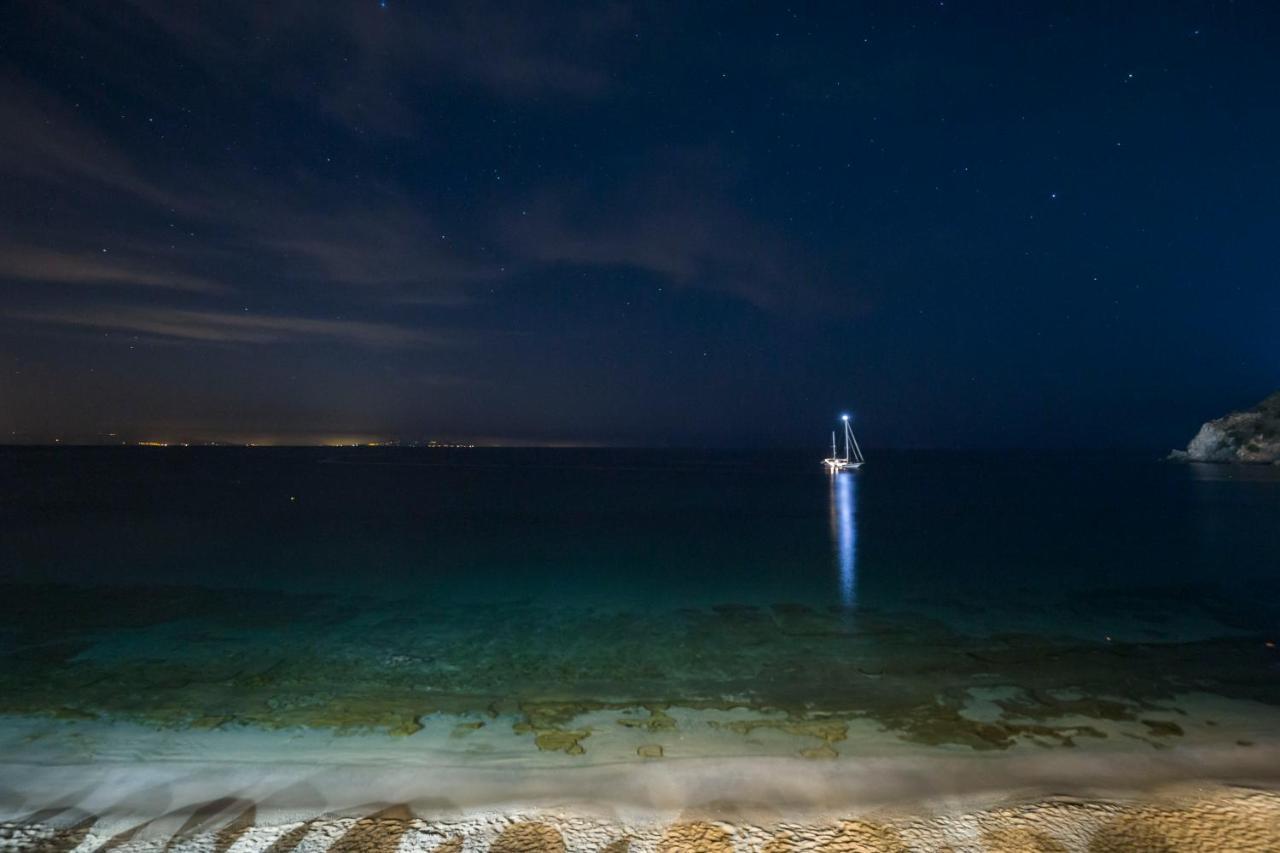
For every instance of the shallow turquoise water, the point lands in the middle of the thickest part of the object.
(954, 601)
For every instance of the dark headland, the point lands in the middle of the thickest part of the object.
(1250, 436)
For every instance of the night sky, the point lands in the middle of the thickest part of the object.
(1008, 224)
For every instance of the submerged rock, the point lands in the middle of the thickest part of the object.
(1250, 436)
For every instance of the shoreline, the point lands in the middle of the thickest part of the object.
(284, 789)
(292, 799)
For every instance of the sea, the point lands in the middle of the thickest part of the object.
(494, 623)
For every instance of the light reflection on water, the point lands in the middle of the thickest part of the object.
(844, 531)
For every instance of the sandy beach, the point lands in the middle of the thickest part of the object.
(177, 815)
(246, 795)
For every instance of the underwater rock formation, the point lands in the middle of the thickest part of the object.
(1250, 436)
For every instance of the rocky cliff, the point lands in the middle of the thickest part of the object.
(1249, 436)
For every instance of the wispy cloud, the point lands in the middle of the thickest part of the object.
(381, 242)
(32, 263)
(208, 231)
(671, 223)
(226, 327)
(44, 139)
(393, 53)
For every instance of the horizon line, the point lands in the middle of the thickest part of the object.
(560, 445)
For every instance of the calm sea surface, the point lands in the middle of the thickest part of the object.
(566, 597)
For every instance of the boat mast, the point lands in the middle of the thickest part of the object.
(856, 448)
(833, 444)
(846, 437)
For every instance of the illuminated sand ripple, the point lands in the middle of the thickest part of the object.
(1198, 819)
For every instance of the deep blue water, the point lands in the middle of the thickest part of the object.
(522, 575)
(633, 527)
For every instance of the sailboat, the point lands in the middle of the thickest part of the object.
(852, 459)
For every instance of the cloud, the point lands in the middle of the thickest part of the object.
(381, 242)
(514, 49)
(309, 231)
(43, 139)
(670, 223)
(30, 263)
(318, 235)
(224, 327)
(388, 55)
